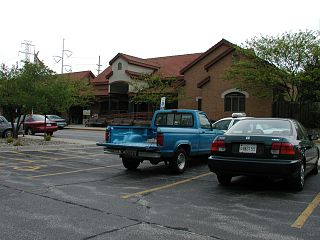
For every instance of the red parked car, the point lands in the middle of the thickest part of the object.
(35, 123)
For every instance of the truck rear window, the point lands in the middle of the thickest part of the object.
(174, 119)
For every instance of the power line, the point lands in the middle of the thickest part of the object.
(68, 53)
(99, 65)
(27, 50)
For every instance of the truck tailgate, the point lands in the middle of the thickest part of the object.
(136, 146)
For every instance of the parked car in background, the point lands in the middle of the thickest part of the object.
(61, 122)
(35, 123)
(270, 147)
(5, 128)
(226, 123)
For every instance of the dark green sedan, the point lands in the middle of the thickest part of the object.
(272, 147)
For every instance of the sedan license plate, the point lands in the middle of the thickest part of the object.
(248, 148)
(130, 153)
(48, 124)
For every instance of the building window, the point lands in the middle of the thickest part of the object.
(199, 101)
(234, 102)
(119, 66)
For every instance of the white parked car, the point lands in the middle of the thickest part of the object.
(226, 123)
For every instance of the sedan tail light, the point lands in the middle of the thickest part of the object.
(218, 146)
(282, 148)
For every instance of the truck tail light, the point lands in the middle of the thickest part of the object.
(106, 136)
(159, 139)
(218, 146)
(282, 148)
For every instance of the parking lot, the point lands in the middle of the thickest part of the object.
(81, 193)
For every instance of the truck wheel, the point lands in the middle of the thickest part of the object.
(224, 179)
(179, 162)
(130, 164)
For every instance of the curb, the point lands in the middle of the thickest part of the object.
(85, 128)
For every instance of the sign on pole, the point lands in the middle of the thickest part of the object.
(163, 103)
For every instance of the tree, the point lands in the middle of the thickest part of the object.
(36, 88)
(151, 88)
(276, 63)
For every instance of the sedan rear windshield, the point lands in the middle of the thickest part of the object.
(277, 127)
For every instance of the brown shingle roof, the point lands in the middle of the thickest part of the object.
(79, 75)
(103, 76)
(170, 66)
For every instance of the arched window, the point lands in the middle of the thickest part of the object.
(119, 66)
(234, 102)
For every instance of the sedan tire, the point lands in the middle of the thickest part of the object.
(315, 169)
(8, 133)
(298, 179)
(224, 179)
(29, 131)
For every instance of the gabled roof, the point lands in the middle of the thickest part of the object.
(103, 76)
(135, 61)
(205, 54)
(218, 58)
(168, 66)
(79, 75)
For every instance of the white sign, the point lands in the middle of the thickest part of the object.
(163, 103)
(86, 112)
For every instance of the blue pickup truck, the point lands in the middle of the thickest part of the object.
(173, 137)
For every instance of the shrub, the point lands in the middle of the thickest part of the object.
(18, 142)
(47, 137)
(10, 140)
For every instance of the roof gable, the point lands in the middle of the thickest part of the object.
(205, 54)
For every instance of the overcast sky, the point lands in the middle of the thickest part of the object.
(142, 28)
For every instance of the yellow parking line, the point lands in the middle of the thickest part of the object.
(75, 171)
(165, 186)
(300, 221)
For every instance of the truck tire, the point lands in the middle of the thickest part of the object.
(130, 164)
(179, 162)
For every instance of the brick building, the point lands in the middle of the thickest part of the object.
(205, 88)
(112, 86)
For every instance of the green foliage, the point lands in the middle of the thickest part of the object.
(277, 63)
(10, 140)
(151, 88)
(37, 88)
(47, 137)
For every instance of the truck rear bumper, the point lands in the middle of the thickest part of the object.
(133, 153)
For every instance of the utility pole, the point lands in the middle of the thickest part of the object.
(68, 53)
(27, 50)
(99, 65)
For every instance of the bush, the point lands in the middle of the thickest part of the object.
(18, 142)
(47, 137)
(10, 140)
